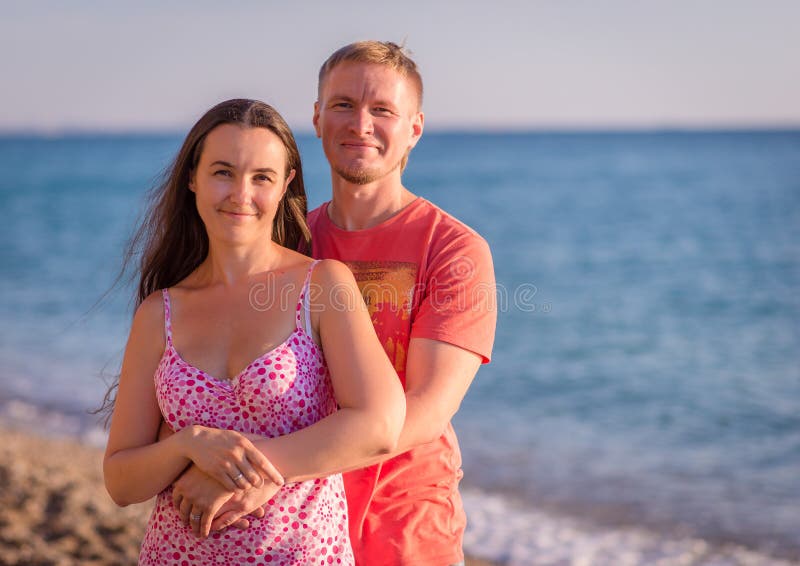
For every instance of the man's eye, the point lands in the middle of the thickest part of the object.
(341, 105)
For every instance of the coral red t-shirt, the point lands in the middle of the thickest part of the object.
(423, 274)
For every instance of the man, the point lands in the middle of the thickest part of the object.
(429, 284)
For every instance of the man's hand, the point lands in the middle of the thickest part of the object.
(198, 497)
(249, 502)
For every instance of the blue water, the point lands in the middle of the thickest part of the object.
(647, 363)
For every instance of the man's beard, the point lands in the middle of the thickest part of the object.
(363, 175)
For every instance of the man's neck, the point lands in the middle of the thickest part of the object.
(359, 207)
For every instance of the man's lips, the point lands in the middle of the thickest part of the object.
(360, 144)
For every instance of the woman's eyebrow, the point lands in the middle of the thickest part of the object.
(258, 170)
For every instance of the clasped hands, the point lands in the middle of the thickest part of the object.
(228, 480)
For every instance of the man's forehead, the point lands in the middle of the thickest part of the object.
(384, 73)
(366, 78)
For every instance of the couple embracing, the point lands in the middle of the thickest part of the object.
(290, 410)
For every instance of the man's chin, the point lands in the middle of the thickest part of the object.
(359, 176)
(363, 175)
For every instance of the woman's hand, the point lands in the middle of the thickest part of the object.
(228, 457)
(205, 505)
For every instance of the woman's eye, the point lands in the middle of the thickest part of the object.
(222, 173)
(263, 179)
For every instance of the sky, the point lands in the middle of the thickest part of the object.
(101, 65)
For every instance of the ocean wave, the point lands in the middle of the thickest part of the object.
(502, 531)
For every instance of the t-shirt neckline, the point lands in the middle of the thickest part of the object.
(400, 215)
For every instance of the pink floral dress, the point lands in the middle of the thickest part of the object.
(283, 390)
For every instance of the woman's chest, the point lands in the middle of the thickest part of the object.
(282, 391)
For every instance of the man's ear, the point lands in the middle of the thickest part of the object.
(417, 125)
(315, 119)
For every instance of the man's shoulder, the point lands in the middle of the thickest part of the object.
(313, 216)
(420, 219)
(445, 227)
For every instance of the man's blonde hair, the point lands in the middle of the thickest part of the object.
(379, 52)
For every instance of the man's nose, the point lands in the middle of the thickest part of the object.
(361, 122)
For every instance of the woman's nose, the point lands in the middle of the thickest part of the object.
(241, 190)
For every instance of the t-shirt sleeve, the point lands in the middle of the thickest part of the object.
(459, 298)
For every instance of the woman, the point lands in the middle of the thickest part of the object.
(226, 346)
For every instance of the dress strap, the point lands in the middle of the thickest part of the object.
(302, 301)
(167, 316)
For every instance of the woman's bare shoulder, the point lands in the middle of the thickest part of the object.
(149, 315)
(332, 272)
(334, 287)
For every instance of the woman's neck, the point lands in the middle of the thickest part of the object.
(230, 266)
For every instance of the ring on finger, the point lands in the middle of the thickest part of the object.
(238, 476)
(195, 517)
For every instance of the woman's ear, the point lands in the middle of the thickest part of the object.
(289, 178)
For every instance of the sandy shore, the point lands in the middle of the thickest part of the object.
(54, 509)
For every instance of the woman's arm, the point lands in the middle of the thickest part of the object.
(369, 394)
(136, 467)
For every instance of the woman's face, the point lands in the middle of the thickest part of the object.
(239, 182)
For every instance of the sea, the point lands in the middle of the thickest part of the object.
(642, 404)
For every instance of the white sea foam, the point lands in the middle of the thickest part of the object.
(46, 422)
(501, 531)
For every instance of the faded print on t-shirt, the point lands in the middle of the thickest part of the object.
(388, 289)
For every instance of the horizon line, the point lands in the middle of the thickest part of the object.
(785, 127)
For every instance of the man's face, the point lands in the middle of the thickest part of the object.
(368, 118)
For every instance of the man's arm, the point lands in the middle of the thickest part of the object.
(438, 375)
